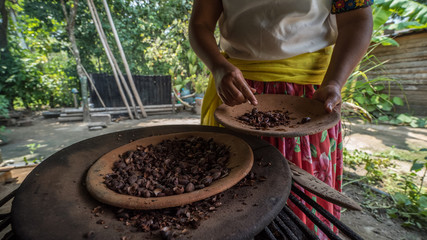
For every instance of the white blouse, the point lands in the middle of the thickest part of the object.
(275, 29)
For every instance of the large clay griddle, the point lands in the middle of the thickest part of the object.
(240, 163)
(52, 203)
(298, 108)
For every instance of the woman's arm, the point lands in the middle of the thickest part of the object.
(354, 36)
(231, 86)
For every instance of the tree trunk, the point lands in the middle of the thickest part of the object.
(4, 48)
(23, 44)
(3, 28)
(70, 18)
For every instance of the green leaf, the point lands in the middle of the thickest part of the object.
(404, 118)
(384, 96)
(313, 151)
(192, 68)
(360, 99)
(297, 148)
(385, 41)
(413, 124)
(379, 88)
(375, 99)
(422, 202)
(416, 166)
(401, 199)
(386, 106)
(406, 25)
(340, 146)
(333, 144)
(371, 108)
(421, 123)
(398, 101)
(392, 212)
(384, 118)
(380, 16)
(324, 135)
(413, 10)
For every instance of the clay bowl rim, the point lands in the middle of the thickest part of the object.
(299, 107)
(240, 164)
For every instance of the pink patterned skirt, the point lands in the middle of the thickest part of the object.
(320, 154)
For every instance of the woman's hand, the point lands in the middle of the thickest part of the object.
(354, 35)
(232, 87)
(330, 95)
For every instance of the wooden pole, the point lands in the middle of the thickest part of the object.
(98, 28)
(94, 87)
(125, 63)
(122, 79)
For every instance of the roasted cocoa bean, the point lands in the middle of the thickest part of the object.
(264, 120)
(158, 170)
(189, 187)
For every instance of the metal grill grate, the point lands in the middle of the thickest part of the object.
(288, 226)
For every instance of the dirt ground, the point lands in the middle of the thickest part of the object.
(47, 136)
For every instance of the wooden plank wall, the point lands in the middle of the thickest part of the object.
(153, 90)
(408, 66)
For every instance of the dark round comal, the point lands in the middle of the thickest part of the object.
(53, 203)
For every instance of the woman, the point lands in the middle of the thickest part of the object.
(298, 47)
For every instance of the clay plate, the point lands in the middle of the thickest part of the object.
(298, 108)
(240, 163)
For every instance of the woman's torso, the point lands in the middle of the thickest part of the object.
(275, 29)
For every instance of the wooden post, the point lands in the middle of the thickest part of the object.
(125, 63)
(105, 44)
(91, 82)
(85, 104)
(94, 87)
(76, 105)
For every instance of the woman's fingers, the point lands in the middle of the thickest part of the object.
(330, 96)
(236, 91)
(232, 87)
(331, 102)
(232, 96)
(248, 93)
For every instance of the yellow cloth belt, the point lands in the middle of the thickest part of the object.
(307, 68)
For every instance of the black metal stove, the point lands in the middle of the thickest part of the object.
(286, 225)
(65, 209)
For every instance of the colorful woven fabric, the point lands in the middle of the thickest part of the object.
(319, 154)
(340, 6)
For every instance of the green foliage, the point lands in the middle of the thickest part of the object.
(4, 106)
(373, 95)
(408, 9)
(405, 119)
(372, 165)
(406, 189)
(410, 15)
(32, 147)
(194, 73)
(35, 74)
